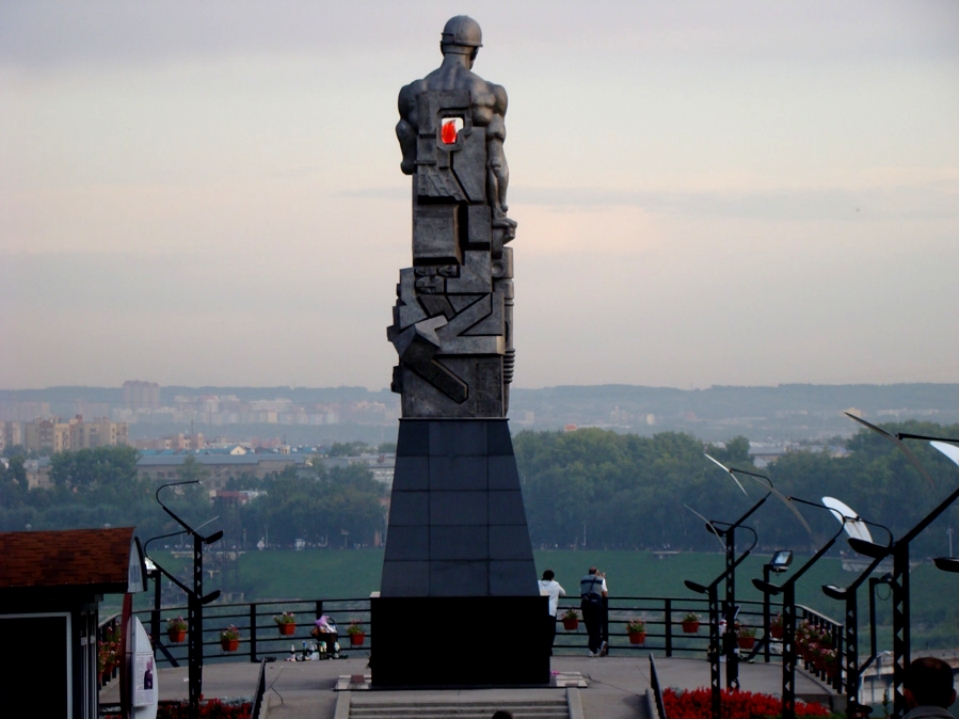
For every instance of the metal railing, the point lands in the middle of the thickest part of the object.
(832, 632)
(663, 620)
(260, 636)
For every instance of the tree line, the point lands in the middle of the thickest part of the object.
(587, 489)
(596, 488)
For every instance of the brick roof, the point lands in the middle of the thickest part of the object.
(61, 558)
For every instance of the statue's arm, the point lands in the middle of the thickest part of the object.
(407, 127)
(498, 177)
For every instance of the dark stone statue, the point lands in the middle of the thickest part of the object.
(453, 321)
(457, 539)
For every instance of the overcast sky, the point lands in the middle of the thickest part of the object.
(736, 193)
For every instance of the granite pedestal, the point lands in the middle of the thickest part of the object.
(458, 559)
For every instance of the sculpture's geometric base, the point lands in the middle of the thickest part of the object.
(476, 642)
(457, 526)
(458, 562)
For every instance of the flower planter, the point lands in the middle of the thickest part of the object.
(230, 645)
(176, 636)
(691, 627)
(357, 638)
(286, 628)
(776, 632)
(571, 624)
(746, 643)
(832, 669)
(637, 638)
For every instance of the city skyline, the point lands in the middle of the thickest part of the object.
(707, 195)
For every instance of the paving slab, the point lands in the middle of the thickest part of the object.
(616, 687)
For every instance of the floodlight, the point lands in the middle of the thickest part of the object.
(781, 560)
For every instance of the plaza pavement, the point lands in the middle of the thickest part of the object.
(616, 687)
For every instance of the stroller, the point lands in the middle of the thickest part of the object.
(326, 634)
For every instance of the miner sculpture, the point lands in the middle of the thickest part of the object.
(453, 319)
(457, 541)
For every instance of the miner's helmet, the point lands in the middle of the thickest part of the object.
(463, 31)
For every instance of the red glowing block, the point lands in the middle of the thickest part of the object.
(449, 129)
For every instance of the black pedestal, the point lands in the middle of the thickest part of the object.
(459, 602)
(459, 642)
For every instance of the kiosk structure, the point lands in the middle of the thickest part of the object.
(458, 548)
(51, 584)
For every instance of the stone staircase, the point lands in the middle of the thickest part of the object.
(521, 703)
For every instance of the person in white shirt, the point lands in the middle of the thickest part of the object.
(552, 589)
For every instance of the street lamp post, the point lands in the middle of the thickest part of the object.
(713, 603)
(788, 690)
(195, 598)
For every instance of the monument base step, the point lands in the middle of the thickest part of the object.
(521, 703)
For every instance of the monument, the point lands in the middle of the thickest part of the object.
(458, 553)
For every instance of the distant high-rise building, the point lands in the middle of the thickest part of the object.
(137, 394)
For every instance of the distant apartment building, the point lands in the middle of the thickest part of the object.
(137, 394)
(53, 435)
(47, 435)
(10, 434)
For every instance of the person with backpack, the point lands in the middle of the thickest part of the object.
(593, 590)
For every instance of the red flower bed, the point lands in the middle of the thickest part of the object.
(733, 704)
(208, 709)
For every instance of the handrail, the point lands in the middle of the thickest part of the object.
(261, 689)
(657, 692)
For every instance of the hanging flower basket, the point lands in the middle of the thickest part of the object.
(570, 620)
(691, 627)
(286, 622)
(356, 632)
(776, 632)
(176, 629)
(230, 638)
(637, 638)
(746, 643)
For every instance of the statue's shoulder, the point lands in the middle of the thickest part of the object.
(411, 90)
(488, 94)
(407, 99)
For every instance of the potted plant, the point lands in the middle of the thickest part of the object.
(107, 650)
(286, 622)
(636, 632)
(230, 638)
(691, 623)
(106, 659)
(356, 633)
(746, 637)
(831, 662)
(570, 620)
(176, 629)
(776, 627)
